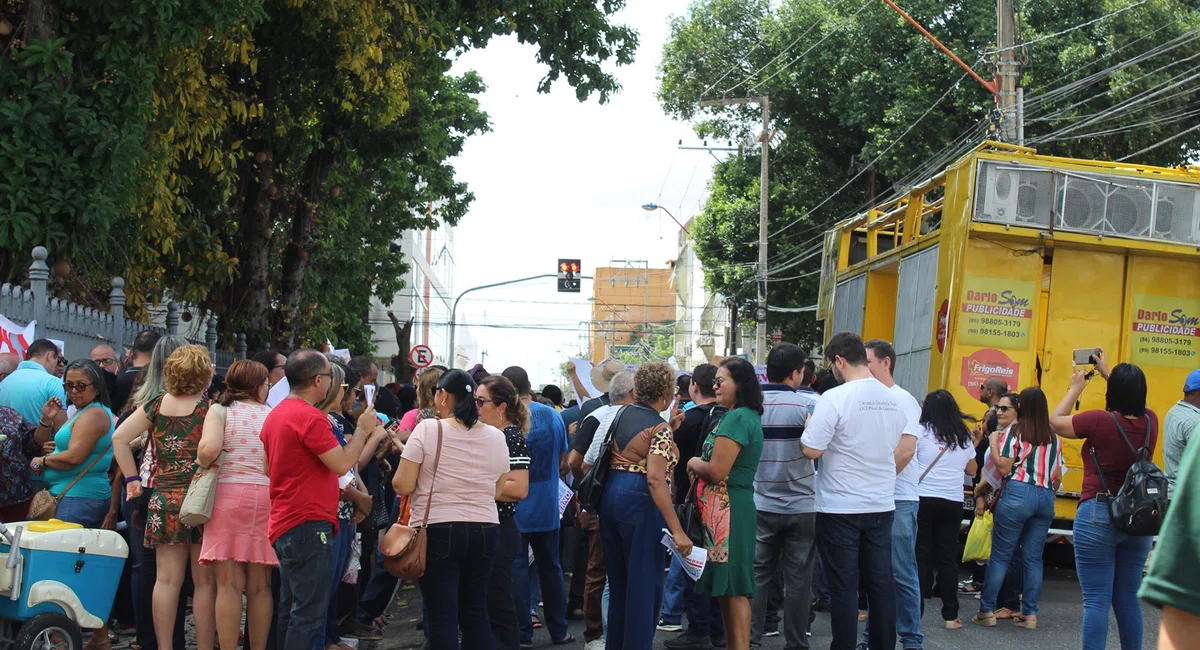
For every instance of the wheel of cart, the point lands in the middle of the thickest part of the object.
(56, 579)
(49, 631)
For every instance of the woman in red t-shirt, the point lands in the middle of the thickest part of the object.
(1109, 562)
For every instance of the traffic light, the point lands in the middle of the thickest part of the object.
(568, 276)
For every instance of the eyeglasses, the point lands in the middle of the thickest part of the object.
(345, 386)
(72, 387)
(106, 362)
(717, 382)
(479, 402)
(1005, 409)
(323, 374)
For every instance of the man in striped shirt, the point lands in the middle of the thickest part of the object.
(784, 498)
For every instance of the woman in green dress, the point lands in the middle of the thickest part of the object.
(725, 493)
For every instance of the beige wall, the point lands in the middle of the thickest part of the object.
(626, 298)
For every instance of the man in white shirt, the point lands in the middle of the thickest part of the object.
(855, 431)
(881, 359)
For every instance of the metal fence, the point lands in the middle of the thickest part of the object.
(82, 328)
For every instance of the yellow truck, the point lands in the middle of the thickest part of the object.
(1008, 261)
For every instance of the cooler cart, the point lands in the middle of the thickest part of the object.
(56, 578)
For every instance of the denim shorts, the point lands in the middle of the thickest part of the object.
(86, 512)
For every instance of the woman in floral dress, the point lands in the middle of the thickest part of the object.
(175, 421)
(725, 494)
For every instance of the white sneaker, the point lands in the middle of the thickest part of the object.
(598, 644)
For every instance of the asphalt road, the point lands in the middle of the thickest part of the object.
(1059, 623)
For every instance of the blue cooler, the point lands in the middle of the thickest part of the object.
(60, 568)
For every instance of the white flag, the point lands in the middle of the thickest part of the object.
(14, 338)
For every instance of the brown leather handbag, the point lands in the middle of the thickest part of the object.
(403, 547)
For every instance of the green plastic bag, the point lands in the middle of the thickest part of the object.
(979, 539)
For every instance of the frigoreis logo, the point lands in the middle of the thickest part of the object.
(985, 364)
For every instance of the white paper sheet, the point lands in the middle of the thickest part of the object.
(564, 497)
(278, 392)
(694, 563)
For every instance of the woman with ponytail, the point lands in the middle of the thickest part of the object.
(235, 539)
(454, 466)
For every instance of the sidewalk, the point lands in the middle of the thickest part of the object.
(403, 633)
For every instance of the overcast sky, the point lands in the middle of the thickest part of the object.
(559, 178)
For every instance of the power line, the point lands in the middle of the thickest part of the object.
(820, 19)
(1160, 143)
(1070, 29)
(880, 156)
(810, 49)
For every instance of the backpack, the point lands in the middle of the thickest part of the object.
(1140, 506)
(591, 486)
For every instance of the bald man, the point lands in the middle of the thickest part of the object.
(106, 358)
(8, 363)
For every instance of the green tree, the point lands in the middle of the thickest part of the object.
(256, 158)
(852, 85)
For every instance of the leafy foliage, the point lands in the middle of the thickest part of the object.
(851, 85)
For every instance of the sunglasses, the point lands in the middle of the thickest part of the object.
(72, 387)
(1005, 409)
(479, 402)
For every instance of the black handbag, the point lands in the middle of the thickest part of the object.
(379, 511)
(591, 486)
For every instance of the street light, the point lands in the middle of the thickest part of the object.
(651, 207)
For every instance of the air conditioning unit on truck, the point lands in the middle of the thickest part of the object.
(1008, 261)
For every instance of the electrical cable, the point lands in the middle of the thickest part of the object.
(1159, 143)
(789, 64)
(1069, 29)
(911, 126)
(795, 41)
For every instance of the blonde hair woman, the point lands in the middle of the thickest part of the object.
(175, 421)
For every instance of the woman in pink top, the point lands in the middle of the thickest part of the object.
(463, 523)
(235, 539)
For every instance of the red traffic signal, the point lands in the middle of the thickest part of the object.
(568, 270)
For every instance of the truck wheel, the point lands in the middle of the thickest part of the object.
(49, 631)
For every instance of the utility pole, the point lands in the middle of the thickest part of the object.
(760, 311)
(1008, 71)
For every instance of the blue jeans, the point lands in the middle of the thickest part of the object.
(675, 592)
(550, 577)
(502, 610)
(86, 512)
(905, 577)
(703, 615)
(1109, 563)
(1022, 517)
(847, 543)
(305, 567)
(458, 566)
(821, 584)
(382, 585)
(339, 556)
(631, 530)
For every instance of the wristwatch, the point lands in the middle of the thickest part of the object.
(37, 466)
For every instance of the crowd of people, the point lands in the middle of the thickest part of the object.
(819, 490)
